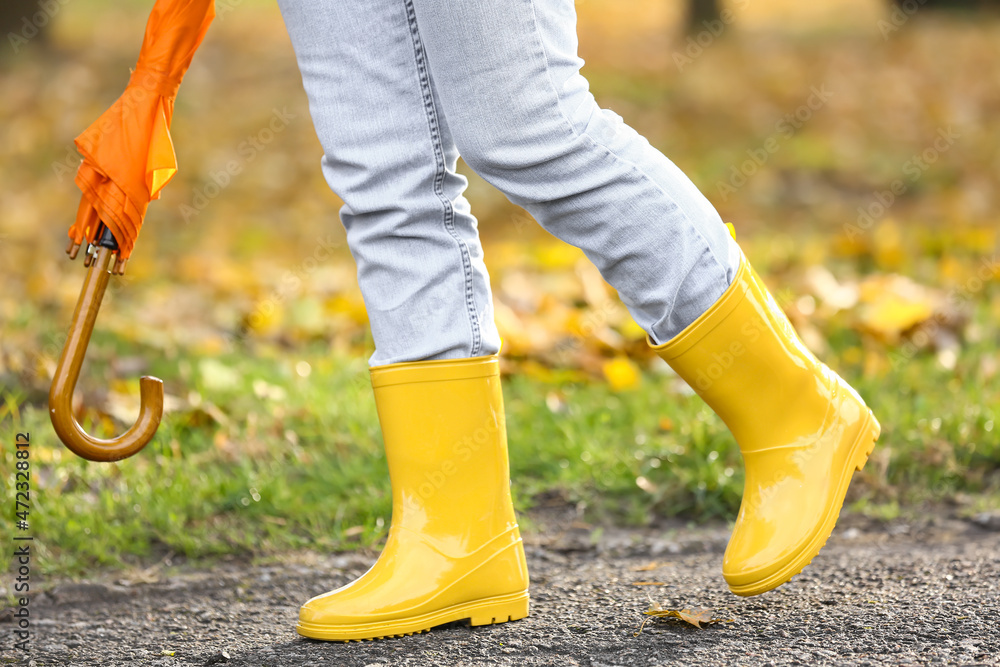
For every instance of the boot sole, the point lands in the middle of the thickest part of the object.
(487, 611)
(863, 446)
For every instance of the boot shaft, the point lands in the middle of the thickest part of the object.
(743, 357)
(445, 436)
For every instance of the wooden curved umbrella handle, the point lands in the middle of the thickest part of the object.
(68, 371)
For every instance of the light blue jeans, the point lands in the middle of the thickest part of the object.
(398, 89)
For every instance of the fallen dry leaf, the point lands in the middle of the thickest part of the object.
(695, 617)
(648, 566)
(892, 304)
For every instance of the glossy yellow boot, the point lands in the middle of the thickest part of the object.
(453, 551)
(802, 430)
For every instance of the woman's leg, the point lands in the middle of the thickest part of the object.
(390, 156)
(453, 550)
(523, 117)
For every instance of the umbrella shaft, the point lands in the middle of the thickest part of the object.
(84, 318)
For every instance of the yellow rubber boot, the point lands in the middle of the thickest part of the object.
(802, 430)
(453, 551)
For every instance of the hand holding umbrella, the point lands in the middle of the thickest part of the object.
(128, 159)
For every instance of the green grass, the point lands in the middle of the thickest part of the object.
(261, 457)
(264, 459)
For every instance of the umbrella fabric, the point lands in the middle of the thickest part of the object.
(128, 155)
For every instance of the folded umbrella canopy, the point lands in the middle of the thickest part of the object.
(127, 153)
(128, 157)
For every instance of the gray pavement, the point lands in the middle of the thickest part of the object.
(879, 594)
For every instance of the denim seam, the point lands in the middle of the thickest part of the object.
(586, 137)
(420, 58)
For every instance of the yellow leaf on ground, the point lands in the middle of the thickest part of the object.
(647, 567)
(695, 617)
(621, 373)
(892, 304)
(891, 316)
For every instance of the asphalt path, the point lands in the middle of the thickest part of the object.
(897, 593)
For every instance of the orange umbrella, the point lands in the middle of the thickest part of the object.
(127, 159)
(127, 153)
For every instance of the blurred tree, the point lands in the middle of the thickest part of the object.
(700, 11)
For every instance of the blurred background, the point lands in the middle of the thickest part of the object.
(852, 143)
